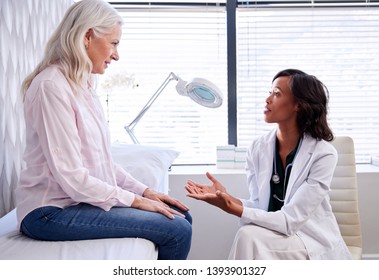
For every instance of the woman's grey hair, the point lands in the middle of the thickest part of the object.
(66, 45)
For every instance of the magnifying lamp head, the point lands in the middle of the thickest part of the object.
(201, 91)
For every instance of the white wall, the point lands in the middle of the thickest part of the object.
(25, 27)
(214, 230)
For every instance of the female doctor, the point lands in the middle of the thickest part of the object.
(289, 171)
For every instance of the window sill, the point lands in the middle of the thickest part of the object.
(201, 169)
(367, 168)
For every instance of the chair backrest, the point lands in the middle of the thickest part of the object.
(344, 195)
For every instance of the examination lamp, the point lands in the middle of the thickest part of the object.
(199, 90)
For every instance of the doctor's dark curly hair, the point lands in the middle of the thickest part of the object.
(312, 97)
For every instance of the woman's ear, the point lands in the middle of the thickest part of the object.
(87, 38)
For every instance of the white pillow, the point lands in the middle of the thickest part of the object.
(148, 164)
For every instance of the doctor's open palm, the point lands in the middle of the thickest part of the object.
(215, 194)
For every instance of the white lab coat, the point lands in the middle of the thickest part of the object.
(307, 211)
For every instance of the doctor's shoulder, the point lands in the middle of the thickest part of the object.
(261, 143)
(325, 148)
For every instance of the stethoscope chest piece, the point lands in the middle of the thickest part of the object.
(276, 179)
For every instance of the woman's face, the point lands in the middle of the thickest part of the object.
(281, 106)
(103, 49)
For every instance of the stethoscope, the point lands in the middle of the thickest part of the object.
(275, 177)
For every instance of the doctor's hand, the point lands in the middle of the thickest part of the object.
(216, 195)
(202, 189)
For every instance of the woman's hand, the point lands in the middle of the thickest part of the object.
(216, 195)
(151, 205)
(153, 195)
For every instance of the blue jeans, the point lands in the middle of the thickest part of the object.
(84, 221)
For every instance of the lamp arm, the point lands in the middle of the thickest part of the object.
(130, 127)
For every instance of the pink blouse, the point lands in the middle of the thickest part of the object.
(67, 155)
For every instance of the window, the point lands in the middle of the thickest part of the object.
(337, 41)
(189, 41)
(338, 44)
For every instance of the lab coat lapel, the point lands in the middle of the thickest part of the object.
(266, 157)
(300, 163)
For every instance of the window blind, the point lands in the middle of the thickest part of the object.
(337, 42)
(189, 41)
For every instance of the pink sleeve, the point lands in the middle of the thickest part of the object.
(126, 181)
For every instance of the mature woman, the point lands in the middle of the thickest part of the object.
(71, 189)
(289, 171)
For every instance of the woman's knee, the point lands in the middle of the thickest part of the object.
(179, 228)
(183, 226)
(188, 217)
(186, 214)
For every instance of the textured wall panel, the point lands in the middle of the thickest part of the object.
(25, 26)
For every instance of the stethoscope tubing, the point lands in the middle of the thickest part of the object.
(276, 177)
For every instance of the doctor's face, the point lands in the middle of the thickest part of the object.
(281, 106)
